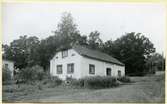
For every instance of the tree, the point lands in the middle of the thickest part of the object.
(46, 50)
(32, 44)
(22, 51)
(94, 40)
(108, 47)
(133, 50)
(67, 32)
(66, 27)
(155, 62)
(65, 36)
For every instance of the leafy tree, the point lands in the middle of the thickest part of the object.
(65, 36)
(94, 40)
(155, 62)
(67, 26)
(108, 47)
(132, 49)
(46, 50)
(22, 51)
(67, 32)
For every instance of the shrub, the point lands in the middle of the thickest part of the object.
(31, 73)
(100, 82)
(6, 75)
(94, 82)
(80, 82)
(124, 79)
(54, 81)
(74, 82)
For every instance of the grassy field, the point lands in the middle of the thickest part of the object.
(143, 89)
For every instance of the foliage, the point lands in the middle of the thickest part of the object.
(31, 73)
(22, 51)
(94, 82)
(155, 62)
(94, 40)
(100, 82)
(124, 79)
(6, 75)
(53, 81)
(133, 50)
(75, 82)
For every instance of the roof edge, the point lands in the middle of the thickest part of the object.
(104, 60)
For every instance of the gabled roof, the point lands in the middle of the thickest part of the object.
(96, 55)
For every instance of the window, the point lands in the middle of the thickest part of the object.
(70, 68)
(91, 69)
(64, 53)
(108, 71)
(119, 73)
(6, 66)
(59, 69)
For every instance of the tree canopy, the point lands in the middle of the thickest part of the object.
(132, 49)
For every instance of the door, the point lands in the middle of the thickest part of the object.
(108, 71)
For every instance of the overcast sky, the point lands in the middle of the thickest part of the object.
(112, 20)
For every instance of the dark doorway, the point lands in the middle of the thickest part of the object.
(108, 71)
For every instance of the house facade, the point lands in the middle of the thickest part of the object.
(79, 62)
(7, 64)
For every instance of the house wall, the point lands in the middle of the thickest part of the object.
(64, 61)
(10, 65)
(100, 67)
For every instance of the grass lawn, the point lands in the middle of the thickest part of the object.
(144, 89)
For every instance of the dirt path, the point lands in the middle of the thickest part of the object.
(145, 89)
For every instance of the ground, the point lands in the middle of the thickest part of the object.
(143, 89)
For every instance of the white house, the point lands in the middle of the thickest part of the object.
(78, 62)
(7, 64)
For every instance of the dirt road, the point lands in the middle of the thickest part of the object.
(144, 89)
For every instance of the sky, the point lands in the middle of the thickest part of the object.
(112, 20)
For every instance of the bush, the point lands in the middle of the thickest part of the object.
(56, 80)
(80, 83)
(124, 79)
(31, 73)
(6, 75)
(53, 81)
(100, 82)
(94, 82)
(74, 82)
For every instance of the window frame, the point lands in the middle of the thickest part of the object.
(107, 74)
(90, 69)
(64, 53)
(119, 73)
(70, 68)
(58, 71)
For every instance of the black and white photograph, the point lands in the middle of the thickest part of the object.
(83, 52)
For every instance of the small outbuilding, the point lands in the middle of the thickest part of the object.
(8, 64)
